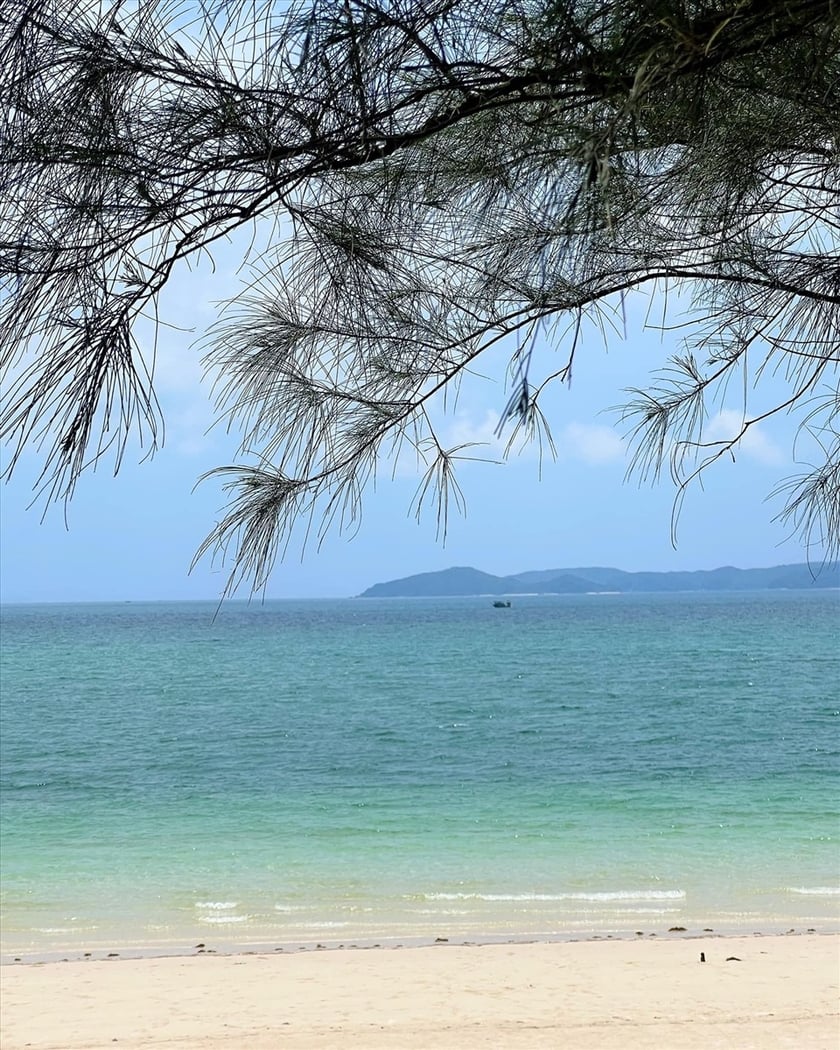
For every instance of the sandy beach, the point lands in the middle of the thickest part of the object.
(764, 992)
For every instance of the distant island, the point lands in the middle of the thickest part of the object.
(465, 581)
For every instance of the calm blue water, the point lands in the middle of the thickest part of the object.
(329, 770)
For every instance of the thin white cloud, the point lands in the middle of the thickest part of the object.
(593, 443)
(462, 430)
(481, 432)
(756, 444)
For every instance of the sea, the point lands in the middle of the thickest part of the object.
(363, 771)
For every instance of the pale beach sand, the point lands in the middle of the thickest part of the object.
(781, 991)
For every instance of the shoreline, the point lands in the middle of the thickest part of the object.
(202, 944)
(775, 992)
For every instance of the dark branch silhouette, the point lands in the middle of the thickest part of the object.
(424, 180)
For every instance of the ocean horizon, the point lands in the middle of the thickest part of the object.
(327, 770)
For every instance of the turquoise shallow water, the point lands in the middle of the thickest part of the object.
(321, 771)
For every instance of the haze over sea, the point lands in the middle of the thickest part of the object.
(338, 771)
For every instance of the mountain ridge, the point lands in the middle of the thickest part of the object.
(465, 581)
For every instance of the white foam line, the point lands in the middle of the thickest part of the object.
(606, 897)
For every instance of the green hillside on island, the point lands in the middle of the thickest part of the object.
(465, 581)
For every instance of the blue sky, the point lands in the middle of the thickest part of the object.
(133, 536)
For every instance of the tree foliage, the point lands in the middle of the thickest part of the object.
(424, 180)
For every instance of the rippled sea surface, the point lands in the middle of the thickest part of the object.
(328, 770)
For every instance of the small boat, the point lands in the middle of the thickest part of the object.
(501, 605)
